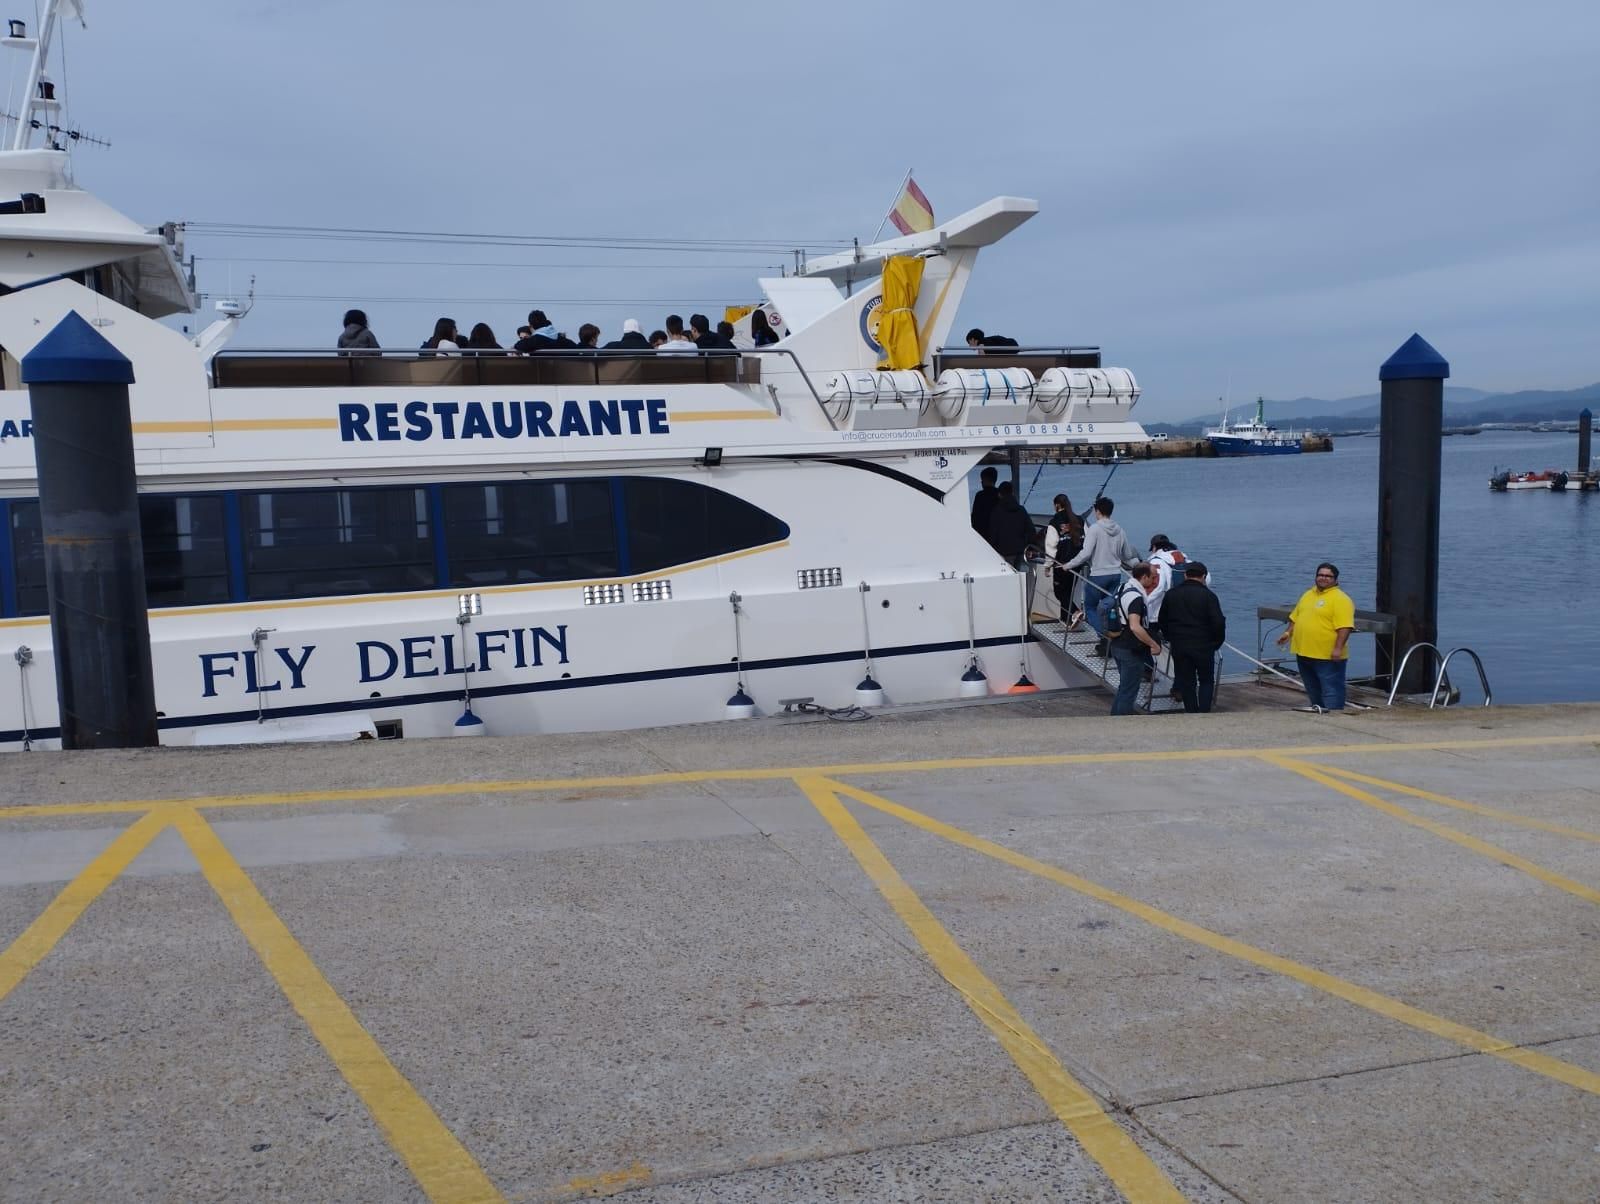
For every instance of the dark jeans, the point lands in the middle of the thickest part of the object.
(1324, 682)
(1195, 670)
(1095, 591)
(1131, 664)
(1065, 584)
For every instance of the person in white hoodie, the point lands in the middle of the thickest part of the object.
(1106, 551)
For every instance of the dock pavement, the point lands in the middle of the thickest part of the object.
(980, 953)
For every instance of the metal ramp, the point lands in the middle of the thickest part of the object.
(1079, 647)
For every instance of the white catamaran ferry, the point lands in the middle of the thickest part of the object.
(404, 544)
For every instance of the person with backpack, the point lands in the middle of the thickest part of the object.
(1105, 552)
(1063, 539)
(1133, 645)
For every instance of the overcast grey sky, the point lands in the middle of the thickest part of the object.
(1248, 196)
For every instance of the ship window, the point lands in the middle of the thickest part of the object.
(27, 558)
(185, 551)
(674, 522)
(304, 543)
(504, 533)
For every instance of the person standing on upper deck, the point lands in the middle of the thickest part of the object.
(544, 336)
(678, 340)
(761, 332)
(357, 334)
(1319, 627)
(632, 338)
(979, 341)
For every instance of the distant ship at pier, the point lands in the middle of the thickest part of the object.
(1253, 438)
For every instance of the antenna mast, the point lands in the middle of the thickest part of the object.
(40, 93)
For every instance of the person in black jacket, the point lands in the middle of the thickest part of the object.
(983, 501)
(700, 332)
(544, 336)
(632, 338)
(1010, 528)
(1194, 628)
(979, 341)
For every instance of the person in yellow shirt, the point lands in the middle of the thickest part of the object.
(1319, 626)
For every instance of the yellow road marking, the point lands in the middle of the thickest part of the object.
(1445, 800)
(1482, 847)
(1128, 1166)
(441, 1165)
(1383, 1005)
(682, 777)
(36, 941)
(609, 1183)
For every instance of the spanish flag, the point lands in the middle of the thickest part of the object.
(911, 213)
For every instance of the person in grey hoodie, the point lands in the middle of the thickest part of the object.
(356, 335)
(1106, 551)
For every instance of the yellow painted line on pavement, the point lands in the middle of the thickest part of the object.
(1372, 1001)
(440, 1163)
(1444, 800)
(1455, 836)
(36, 941)
(1118, 1155)
(690, 776)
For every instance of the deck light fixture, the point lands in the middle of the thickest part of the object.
(469, 606)
(19, 29)
(712, 457)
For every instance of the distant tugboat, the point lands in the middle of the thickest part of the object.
(1252, 438)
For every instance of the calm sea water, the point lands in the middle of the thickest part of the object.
(1520, 572)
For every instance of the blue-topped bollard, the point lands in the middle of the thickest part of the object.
(93, 560)
(1409, 440)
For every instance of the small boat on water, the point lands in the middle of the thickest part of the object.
(1550, 478)
(1254, 438)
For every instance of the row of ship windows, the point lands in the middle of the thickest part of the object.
(248, 546)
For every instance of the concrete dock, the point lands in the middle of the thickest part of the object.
(988, 953)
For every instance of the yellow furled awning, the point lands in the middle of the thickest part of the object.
(897, 326)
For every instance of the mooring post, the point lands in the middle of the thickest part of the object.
(93, 561)
(1585, 422)
(1409, 441)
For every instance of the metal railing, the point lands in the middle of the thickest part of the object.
(1442, 679)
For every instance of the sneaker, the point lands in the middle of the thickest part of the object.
(1102, 649)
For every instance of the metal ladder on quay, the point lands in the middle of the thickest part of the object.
(1442, 680)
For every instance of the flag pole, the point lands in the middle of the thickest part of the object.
(898, 193)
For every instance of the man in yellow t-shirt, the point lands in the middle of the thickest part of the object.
(1319, 626)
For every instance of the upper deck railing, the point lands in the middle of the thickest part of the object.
(1035, 359)
(321, 369)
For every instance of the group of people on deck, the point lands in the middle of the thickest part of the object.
(540, 335)
(1164, 607)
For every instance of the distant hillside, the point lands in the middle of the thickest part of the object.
(1462, 407)
(1302, 410)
